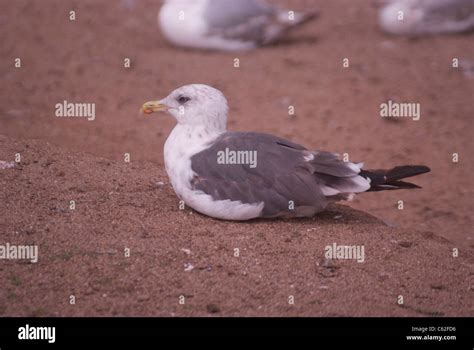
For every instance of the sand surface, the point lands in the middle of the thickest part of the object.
(174, 253)
(123, 205)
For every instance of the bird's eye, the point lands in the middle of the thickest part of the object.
(183, 99)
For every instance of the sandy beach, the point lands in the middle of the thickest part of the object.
(128, 249)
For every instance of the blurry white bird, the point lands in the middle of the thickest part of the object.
(423, 17)
(228, 25)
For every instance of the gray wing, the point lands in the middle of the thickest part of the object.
(239, 19)
(282, 174)
(448, 15)
(231, 13)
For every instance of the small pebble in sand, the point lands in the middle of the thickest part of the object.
(437, 286)
(213, 308)
(159, 183)
(327, 263)
(187, 251)
(405, 244)
(6, 165)
(188, 267)
(143, 297)
(337, 217)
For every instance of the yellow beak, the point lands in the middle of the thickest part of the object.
(153, 106)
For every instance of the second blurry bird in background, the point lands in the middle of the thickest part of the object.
(416, 18)
(227, 25)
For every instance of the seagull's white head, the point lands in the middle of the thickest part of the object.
(193, 105)
(401, 17)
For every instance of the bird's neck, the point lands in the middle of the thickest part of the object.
(196, 133)
(186, 140)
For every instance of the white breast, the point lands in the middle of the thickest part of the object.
(181, 145)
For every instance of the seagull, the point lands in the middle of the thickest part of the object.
(240, 176)
(227, 25)
(423, 17)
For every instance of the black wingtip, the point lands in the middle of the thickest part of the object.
(382, 180)
(404, 171)
(421, 169)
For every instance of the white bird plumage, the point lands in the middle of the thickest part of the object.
(201, 115)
